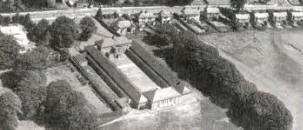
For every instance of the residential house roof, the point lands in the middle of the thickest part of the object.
(189, 11)
(280, 14)
(261, 15)
(164, 13)
(212, 10)
(297, 14)
(242, 16)
(146, 14)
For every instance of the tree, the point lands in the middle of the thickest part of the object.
(264, 1)
(67, 108)
(63, 32)
(9, 50)
(32, 95)
(238, 4)
(28, 23)
(36, 59)
(263, 111)
(10, 106)
(40, 33)
(87, 26)
(99, 15)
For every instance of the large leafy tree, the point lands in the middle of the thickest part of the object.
(68, 109)
(238, 4)
(87, 26)
(9, 50)
(10, 106)
(31, 92)
(63, 32)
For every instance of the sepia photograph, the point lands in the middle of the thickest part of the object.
(151, 64)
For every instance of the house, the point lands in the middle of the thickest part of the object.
(189, 14)
(145, 17)
(260, 19)
(165, 16)
(295, 18)
(278, 18)
(123, 26)
(212, 13)
(243, 19)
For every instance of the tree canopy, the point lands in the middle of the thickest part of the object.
(68, 109)
(63, 32)
(40, 33)
(10, 106)
(9, 50)
(87, 26)
(238, 4)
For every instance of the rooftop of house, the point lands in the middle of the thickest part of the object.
(297, 14)
(279, 14)
(212, 10)
(261, 15)
(242, 16)
(122, 23)
(189, 11)
(164, 13)
(146, 14)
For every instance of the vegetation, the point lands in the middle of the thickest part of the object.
(87, 26)
(36, 59)
(40, 33)
(99, 15)
(262, 111)
(68, 109)
(31, 93)
(238, 4)
(63, 32)
(218, 78)
(9, 50)
(10, 106)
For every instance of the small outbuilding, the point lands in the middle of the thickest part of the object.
(123, 26)
(260, 19)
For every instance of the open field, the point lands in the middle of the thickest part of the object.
(273, 60)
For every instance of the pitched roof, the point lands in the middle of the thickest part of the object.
(297, 14)
(212, 10)
(190, 11)
(242, 16)
(261, 15)
(165, 13)
(161, 94)
(146, 14)
(279, 14)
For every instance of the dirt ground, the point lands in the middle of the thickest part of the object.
(273, 60)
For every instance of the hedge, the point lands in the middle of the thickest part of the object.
(146, 68)
(153, 63)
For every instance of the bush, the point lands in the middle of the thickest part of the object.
(68, 109)
(10, 106)
(9, 50)
(63, 32)
(238, 4)
(87, 26)
(99, 15)
(262, 111)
